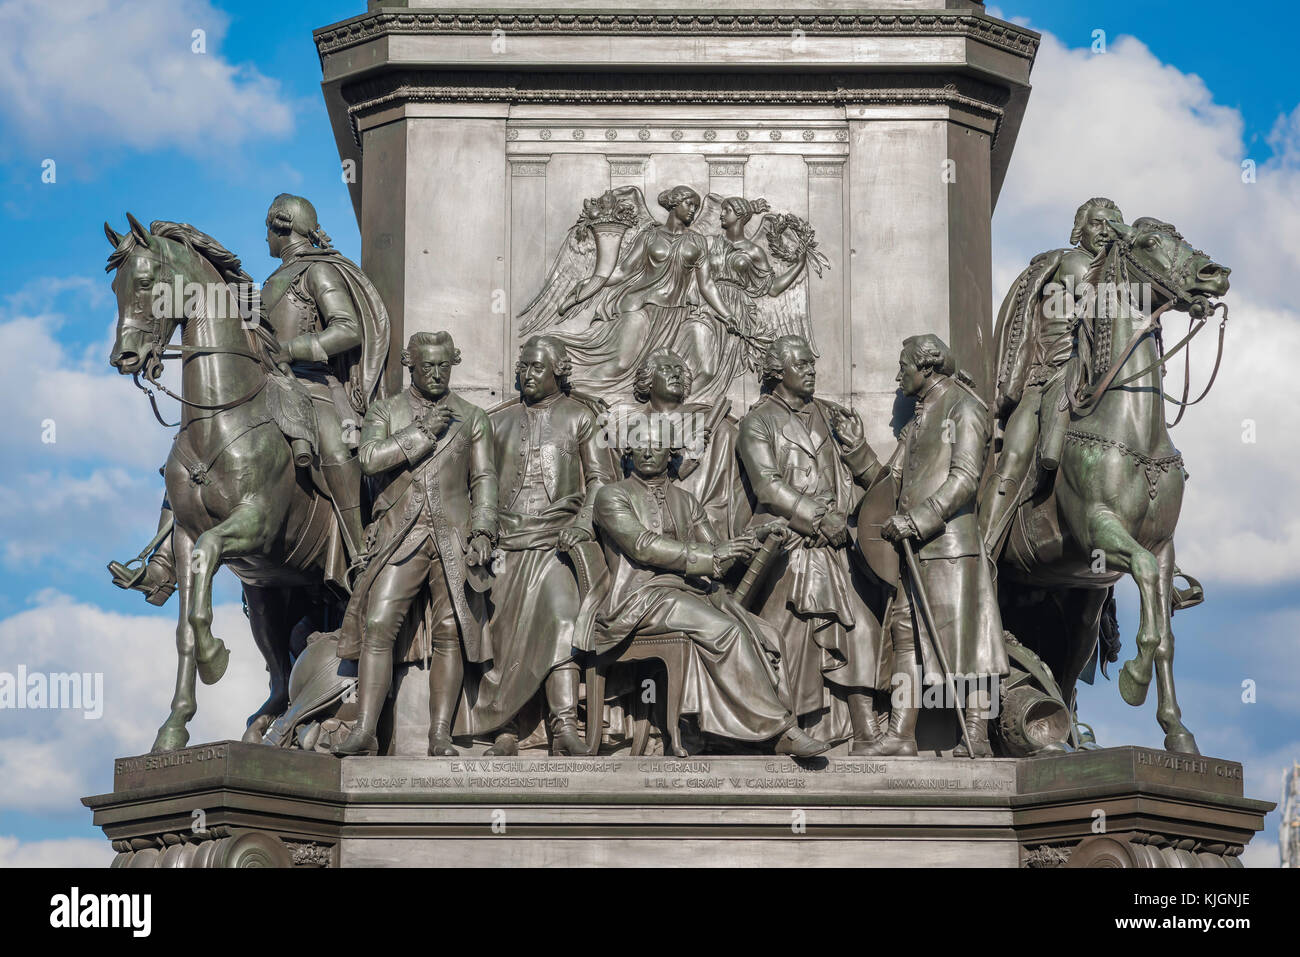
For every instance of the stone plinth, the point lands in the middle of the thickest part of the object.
(264, 806)
(476, 133)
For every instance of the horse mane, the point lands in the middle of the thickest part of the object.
(1143, 223)
(227, 265)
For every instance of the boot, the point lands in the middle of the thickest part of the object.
(863, 717)
(506, 744)
(798, 743)
(446, 672)
(343, 479)
(1053, 440)
(562, 697)
(977, 731)
(374, 674)
(900, 739)
(157, 577)
(996, 516)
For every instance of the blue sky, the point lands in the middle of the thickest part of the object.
(1222, 89)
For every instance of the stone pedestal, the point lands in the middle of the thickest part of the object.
(476, 134)
(1125, 807)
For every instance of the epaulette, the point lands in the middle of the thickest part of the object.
(970, 391)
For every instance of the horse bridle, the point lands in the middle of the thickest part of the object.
(1199, 308)
(159, 351)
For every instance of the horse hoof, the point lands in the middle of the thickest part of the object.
(256, 728)
(170, 739)
(211, 669)
(1132, 689)
(1182, 742)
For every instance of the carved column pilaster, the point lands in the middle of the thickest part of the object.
(727, 175)
(528, 260)
(627, 171)
(828, 296)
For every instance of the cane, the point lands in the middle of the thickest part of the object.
(924, 602)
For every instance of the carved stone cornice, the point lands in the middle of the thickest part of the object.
(825, 167)
(995, 33)
(627, 165)
(726, 165)
(528, 165)
(387, 90)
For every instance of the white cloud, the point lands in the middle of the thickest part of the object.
(115, 72)
(96, 483)
(62, 852)
(96, 413)
(1261, 852)
(50, 759)
(1151, 137)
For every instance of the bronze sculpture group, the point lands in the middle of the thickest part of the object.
(818, 593)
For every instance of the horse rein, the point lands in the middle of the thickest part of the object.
(159, 352)
(1200, 309)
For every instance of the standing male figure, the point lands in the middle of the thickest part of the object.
(937, 469)
(1036, 334)
(549, 468)
(431, 452)
(802, 466)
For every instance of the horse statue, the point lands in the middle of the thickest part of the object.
(1112, 505)
(236, 483)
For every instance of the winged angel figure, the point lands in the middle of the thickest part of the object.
(709, 292)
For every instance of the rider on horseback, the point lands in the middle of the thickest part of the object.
(1036, 338)
(332, 328)
(333, 331)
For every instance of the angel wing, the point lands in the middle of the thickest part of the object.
(708, 221)
(576, 260)
(786, 314)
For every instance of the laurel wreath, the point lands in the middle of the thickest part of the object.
(788, 236)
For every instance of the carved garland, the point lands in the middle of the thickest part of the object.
(1154, 467)
(1004, 36)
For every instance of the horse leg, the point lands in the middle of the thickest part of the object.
(1170, 716)
(268, 618)
(1123, 552)
(239, 534)
(173, 734)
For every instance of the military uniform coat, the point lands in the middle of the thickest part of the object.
(937, 470)
(447, 485)
(797, 470)
(534, 591)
